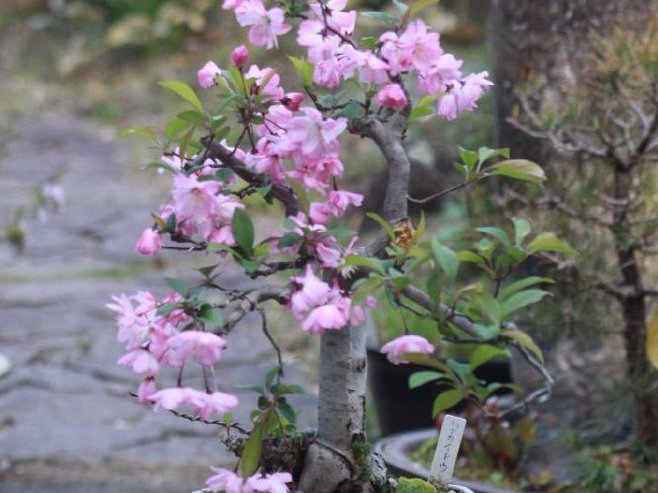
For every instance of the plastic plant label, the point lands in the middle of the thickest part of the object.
(445, 455)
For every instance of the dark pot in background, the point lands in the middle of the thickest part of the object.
(400, 408)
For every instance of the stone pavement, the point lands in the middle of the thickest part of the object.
(67, 422)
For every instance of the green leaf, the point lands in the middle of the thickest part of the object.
(520, 169)
(382, 17)
(184, 91)
(521, 230)
(250, 457)
(497, 233)
(174, 127)
(211, 317)
(192, 116)
(287, 411)
(384, 224)
(166, 309)
(285, 388)
(420, 111)
(419, 5)
(549, 242)
(243, 231)
(305, 70)
(352, 111)
(525, 340)
(469, 158)
(510, 289)
(484, 353)
(206, 271)
(140, 131)
(446, 400)
(368, 262)
(446, 258)
(422, 377)
(289, 239)
(484, 154)
(177, 285)
(521, 299)
(369, 42)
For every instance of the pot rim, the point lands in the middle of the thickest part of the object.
(393, 449)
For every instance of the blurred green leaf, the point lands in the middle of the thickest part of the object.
(184, 91)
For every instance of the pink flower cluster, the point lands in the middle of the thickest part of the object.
(326, 32)
(319, 307)
(154, 341)
(227, 481)
(396, 350)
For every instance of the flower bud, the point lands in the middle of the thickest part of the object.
(149, 242)
(240, 56)
(391, 96)
(293, 100)
(206, 76)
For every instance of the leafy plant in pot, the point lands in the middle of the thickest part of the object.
(258, 141)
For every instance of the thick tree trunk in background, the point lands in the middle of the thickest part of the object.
(542, 42)
(643, 376)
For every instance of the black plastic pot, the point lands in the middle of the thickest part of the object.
(400, 408)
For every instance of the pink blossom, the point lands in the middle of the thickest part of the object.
(391, 96)
(142, 362)
(372, 69)
(332, 316)
(146, 389)
(329, 257)
(170, 398)
(149, 242)
(340, 200)
(208, 405)
(313, 292)
(204, 346)
(240, 56)
(271, 90)
(319, 212)
(206, 75)
(264, 25)
(399, 347)
(224, 480)
(342, 22)
(314, 135)
(448, 107)
(445, 73)
(133, 325)
(463, 95)
(268, 483)
(415, 48)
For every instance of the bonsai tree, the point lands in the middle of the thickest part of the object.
(258, 139)
(605, 133)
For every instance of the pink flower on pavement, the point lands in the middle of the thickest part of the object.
(240, 56)
(224, 480)
(399, 347)
(204, 346)
(142, 362)
(149, 242)
(268, 483)
(264, 25)
(391, 96)
(206, 75)
(146, 389)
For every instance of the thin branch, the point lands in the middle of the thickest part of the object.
(438, 194)
(265, 330)
(278, 191)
